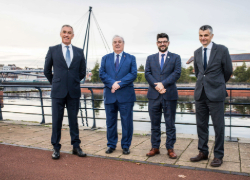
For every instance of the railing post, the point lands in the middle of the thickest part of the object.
(230, 116)
(93, 107)
(41, 99)
(86, 113)
(81, 112)
(1, 103)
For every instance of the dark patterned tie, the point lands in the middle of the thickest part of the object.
(117, 62)
(205, 58)
(162, 61)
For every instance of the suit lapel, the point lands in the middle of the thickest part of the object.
(112, 61)
(61, 55)
(156, 59)
(168, 58)
(74, 55)
(212, 55)
(122, 61)
(199, 60)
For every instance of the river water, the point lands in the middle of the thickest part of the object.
(27, 98)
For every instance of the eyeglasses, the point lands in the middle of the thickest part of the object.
(160, 42)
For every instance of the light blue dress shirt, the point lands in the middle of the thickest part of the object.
(120, 56)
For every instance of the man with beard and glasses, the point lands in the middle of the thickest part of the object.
(162, 71)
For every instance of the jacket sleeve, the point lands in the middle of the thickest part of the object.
(196, 69)
(175, 75)
(82, 68)
(106, 79)
(130, 77)
(148, 74)
(48, 66)
(227, 65)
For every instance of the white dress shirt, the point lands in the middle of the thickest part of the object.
(209, 48)
(160, 53)
(64, 50)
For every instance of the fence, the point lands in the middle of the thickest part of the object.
(93, 108)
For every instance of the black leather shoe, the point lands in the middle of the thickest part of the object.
(216, 162)
(56, 154)
(109, 150)
(126, 151)
(79, 152)
(199, 157)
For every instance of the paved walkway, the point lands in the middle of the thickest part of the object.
(236, 160)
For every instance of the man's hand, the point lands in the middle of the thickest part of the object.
(162, 91)
(116, 86)
(159, 86)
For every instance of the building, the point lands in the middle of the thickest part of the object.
(237, 60)
(12, 66)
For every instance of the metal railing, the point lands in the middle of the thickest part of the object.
(93, 108)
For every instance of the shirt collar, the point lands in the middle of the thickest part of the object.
(166, 53)
(64, 45)
(119, 54)
(209, 47)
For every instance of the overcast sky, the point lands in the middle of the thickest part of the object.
(29, 27)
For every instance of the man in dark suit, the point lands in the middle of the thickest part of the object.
(118, 72)
(68, 70)
(162, 71)
(213, 68)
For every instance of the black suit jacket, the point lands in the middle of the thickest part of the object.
(170, 73)
(64, 80)
(217, 73)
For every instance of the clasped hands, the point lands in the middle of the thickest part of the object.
(115, 86)
(160, 88)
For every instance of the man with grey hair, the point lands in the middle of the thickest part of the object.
(68, 70)
(213, 68)
(118, 71)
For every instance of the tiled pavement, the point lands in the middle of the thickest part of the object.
(236, 159)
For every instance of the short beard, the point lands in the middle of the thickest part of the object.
(163, 50)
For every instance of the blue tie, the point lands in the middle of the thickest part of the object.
(205, 58)
(68, 61)
(117, 62)
(162, 61)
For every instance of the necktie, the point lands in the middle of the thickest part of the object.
(162, 61)
(68, 60)
(205, 58)
(117, 62)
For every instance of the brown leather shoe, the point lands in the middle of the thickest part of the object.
(216, 162)
(172, 154)
(153, 152)
(199, 157)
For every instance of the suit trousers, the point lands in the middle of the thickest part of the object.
(58, 105)
(126, 113)
(216, 108)
(155, 112)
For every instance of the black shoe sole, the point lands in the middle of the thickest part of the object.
(75, 153)
(56, 158)
(153, 155)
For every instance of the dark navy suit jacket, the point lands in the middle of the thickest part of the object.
(168, 76)
(64, 80)
(126, 73)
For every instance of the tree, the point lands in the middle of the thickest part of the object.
(95, 73)
(190, 70)
(241, 73)
(141, 68)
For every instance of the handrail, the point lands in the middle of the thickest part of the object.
(90, 88)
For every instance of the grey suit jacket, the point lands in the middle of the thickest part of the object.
(217, 73)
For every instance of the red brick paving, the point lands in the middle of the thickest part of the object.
(26, 163)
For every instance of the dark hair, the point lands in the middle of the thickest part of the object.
(207, 27)
(162, 35)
